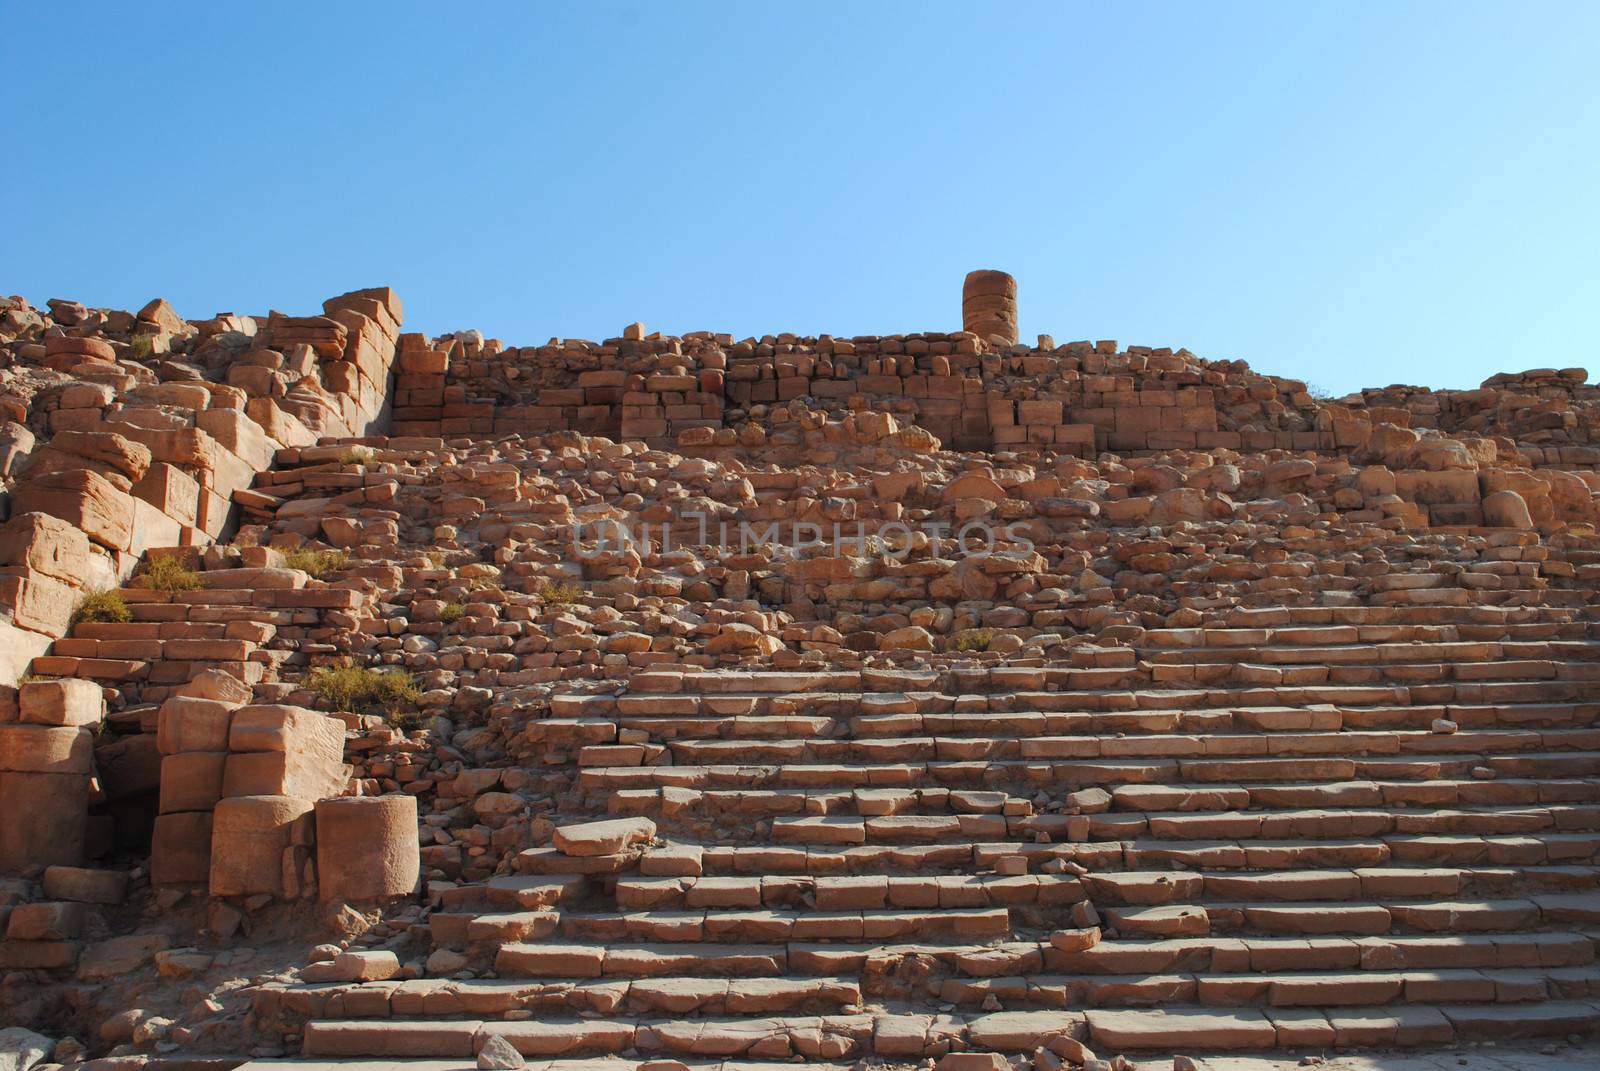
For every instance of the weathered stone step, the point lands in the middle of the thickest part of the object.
(844, 892)
(1181, 1029)
(1533, 654)
(759, 925)
(1319, 703)
(588, 960)
(449, 998)
(791, 750)
(1370, 919)
(1325, 636)
(512, 891)
(1087, 772)
(1515, 863)
(1245, 956)
(1193, 799)
(812, 1040)
(1396, 990)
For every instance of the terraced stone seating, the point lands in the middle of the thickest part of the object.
(1274, 727)
(1391, 841)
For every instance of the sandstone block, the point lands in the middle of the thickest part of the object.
(61, 702)
(84, 499)
(272, 727)
(192, 781)
(123, 455)
(47, 818)
(58, 921)
(304, 776)
(85, 884)
(172, 491)
(189, 724)
(588, 839)
(249, 835)
(180, 853)
(216, 685)
(46, 749)
(39, 603)
(367, 847)
(1506, 509)
(46, 544)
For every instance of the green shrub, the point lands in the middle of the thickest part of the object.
(169, 574)
(318, 563)
(391, 693)
(141, 347)
(975, 640)
(102, 606)
(452, 612)
(356, 455)
(560, 593)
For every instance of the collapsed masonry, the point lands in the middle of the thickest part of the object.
(1148, 703)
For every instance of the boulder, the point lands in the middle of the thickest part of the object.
(1507, 509)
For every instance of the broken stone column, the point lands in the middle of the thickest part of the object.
(258, 845)
(989, 305)
(367, 847)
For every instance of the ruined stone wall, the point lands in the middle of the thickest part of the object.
(127, 432)
(1079, 398)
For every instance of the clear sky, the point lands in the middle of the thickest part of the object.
(1348, 193)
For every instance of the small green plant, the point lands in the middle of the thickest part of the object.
(452, 612)
(406, 720)
(560, 592)
(318, 563)
(102, 606)
(391, 693)
(141, 347)
(355, 455)
(975, 640)
(169, 574)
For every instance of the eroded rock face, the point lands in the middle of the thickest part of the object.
(926, 698)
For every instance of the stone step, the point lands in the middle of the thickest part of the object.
(441, 998)
(1204, 955)
(836, 893)
(1105, 702)
(1529, 653)
(812, 1040)
(512, 891)
(933, 717)
(762, 926)
(1278, 989)
(808, 1039)
(1184, 1029)
(1089, 772)
(1220, 746)
(1556, 851)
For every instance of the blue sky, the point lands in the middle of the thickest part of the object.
(1352, 193)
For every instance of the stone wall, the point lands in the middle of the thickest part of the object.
(127, 432)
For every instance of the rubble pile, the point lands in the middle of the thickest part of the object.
(922, 699)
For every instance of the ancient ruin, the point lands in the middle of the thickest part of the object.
(932, 700)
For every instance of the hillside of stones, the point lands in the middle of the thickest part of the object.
(1270, 711)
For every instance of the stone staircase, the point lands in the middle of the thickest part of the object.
(1332, 809)
(1360, 825)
